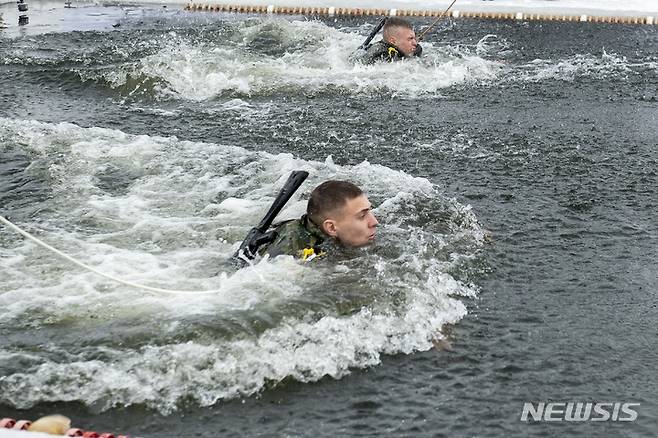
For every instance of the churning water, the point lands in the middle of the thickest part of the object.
(146, 142)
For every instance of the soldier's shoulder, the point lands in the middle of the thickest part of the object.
(377, 49)
(374, 52)
(288, 236)
(292, 225)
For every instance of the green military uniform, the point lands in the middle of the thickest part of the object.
(381, 51)
(300, 238)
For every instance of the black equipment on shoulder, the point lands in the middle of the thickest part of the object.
(259, 236)
(374, 32)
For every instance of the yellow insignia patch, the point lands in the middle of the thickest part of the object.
(308, 254)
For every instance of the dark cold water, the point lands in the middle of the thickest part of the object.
(147, 149)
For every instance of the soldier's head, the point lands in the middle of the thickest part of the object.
(342, 211)
(400, 33)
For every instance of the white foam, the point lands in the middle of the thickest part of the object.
(160, 376)
(175, 225)
(578, 66)
(309, 55)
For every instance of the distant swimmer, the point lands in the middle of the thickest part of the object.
(398, 42)
(338, 214)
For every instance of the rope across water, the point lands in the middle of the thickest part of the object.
(27, 235)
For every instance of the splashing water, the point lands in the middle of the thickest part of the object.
(170, 213)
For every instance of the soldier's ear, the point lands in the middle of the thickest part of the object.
(329, 227)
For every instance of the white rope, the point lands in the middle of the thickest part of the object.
(95, 271)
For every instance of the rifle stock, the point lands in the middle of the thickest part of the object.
(374, 32)
(259, 236)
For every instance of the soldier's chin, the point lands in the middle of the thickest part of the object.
(358, 244)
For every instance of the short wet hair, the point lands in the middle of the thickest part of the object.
(328, 197)
(395, 22)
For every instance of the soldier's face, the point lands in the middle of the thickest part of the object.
(354, 224)
(405, 40)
